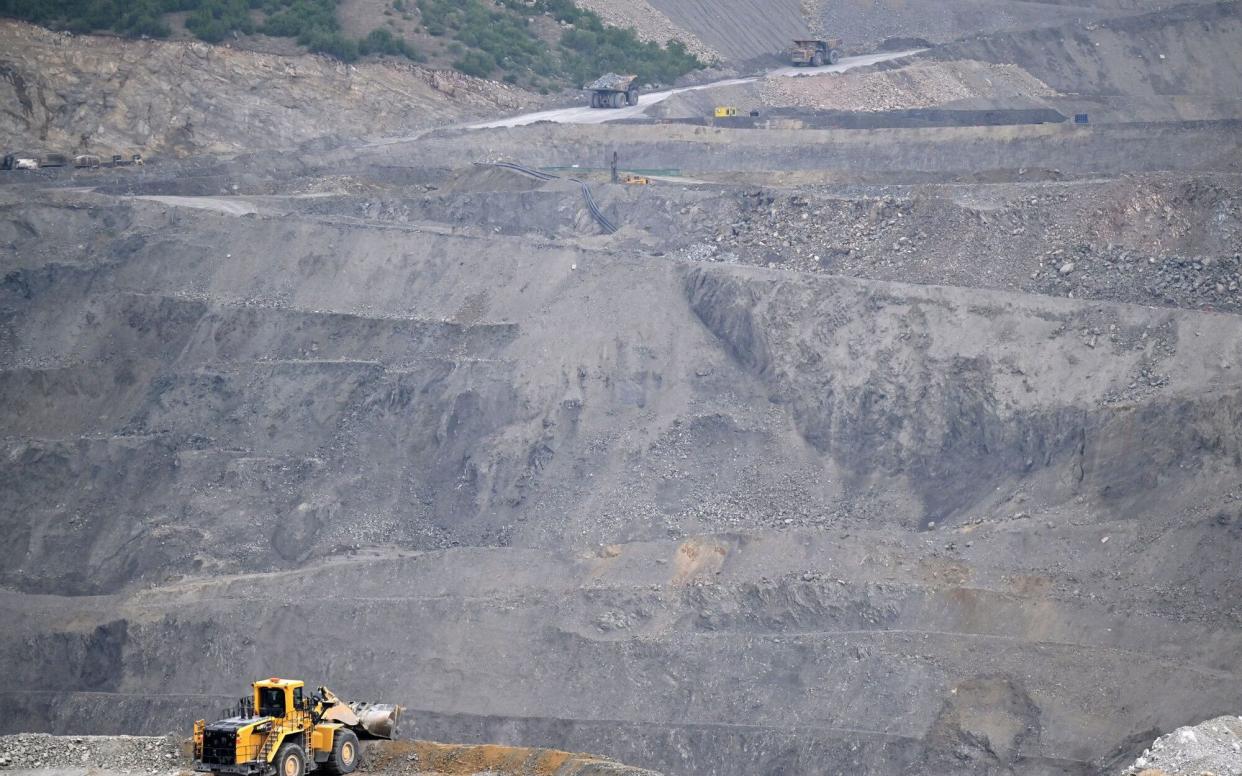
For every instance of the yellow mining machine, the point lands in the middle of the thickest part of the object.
(280, 731)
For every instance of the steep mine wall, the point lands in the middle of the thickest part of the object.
(680, 514)
(742, 30)
(868, 24)
(739, 29)
(1191, 50)
(959, 423)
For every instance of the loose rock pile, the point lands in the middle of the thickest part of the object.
(1203, 282)
(1213, 747)
(122, 754)
(1041, 243)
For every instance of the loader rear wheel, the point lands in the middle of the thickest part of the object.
(290, 760)
(344, 757)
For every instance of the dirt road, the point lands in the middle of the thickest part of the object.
(586, 115)
(227, 205)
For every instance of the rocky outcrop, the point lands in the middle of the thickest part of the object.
(1214, 747)
(103, 95)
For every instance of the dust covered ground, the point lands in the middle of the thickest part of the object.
(892, 435)
(44, 755)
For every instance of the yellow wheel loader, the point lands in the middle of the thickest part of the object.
(279, 731)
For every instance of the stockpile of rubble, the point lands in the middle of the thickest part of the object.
(1203, 282)
(1212, 748)
(920, 85)
(122, 754)
(1040, 242)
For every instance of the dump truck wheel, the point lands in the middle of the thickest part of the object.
(290, 760)
(631, 97)
(817, 60)
(834, 56)
(345, 753)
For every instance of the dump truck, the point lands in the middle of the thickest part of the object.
(280, 731)
(19, 161)
(613, 91)
(815, 53)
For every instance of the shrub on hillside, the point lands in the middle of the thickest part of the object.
(381, 41)
(479, 64)
(493, 36)
(586, 48)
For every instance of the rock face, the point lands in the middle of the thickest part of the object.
(1189, 51)
(705, 518)
(741, 30)
(105, 95)
(1213, 747)
(866, 489)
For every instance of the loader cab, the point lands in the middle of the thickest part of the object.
(278, 697)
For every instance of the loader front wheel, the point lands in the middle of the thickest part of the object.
(290, 760)
(344, 757)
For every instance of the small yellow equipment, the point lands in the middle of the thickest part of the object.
(724, 111)
(281, 732)
(636, 180)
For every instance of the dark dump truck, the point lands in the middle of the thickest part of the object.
(816, 53)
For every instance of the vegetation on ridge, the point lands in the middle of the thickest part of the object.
(539, 44)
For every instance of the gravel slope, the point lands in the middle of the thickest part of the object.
(107, 95)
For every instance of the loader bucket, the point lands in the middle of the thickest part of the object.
(376, 720)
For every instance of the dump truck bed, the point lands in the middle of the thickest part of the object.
(612, 82)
